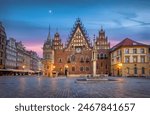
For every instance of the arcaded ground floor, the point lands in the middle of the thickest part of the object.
(62, 87)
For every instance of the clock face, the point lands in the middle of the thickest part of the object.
(78, 50)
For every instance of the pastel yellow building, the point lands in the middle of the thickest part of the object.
(130, 58)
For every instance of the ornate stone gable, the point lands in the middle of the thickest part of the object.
(78, 37)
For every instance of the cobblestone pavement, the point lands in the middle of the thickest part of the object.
(37, 87)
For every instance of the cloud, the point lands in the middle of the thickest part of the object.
(133, 17)
(140, 22)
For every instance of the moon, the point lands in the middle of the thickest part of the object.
(50, 11)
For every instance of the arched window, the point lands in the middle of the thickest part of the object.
(87, 59)
(143, 70)
(73, 58)
(135, 70)
(73, 68)
(68, 60)
(101, 55)
(60, 60)
(82, 59)
(105, 56)
(81, 69)
(87, 68)
(98, 56)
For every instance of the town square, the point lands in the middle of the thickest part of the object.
(55, 49)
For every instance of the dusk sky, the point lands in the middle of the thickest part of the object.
(28, 20)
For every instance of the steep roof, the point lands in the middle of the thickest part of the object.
(127, 42)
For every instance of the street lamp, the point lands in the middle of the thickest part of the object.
(66, 66)
(120, 65)
(53, 67)
(23, 66)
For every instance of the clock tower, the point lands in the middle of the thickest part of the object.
(48, 56)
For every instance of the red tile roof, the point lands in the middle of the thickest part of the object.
(127, 42)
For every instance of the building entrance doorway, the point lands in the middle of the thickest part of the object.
(66, 71)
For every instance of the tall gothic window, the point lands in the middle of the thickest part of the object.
(101, 55)
(73, 58)
(87, 59)
(82, 59)
(68, 60)
(98, 56)
(73, 68)
(81, 69)
(105, 56)
(60, 60)
(87, 68)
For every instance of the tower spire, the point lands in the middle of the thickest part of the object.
(101, 28)
(49, 36)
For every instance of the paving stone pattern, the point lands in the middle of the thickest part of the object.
(44, 87)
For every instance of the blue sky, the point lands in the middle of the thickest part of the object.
(28, 20)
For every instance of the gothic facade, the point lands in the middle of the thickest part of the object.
(79, 56)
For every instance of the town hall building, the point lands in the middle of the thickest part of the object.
(80, 56)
